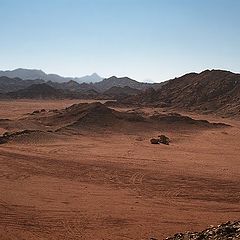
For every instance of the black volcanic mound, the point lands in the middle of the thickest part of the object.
(37, 91)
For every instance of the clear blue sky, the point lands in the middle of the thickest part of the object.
(142, 39)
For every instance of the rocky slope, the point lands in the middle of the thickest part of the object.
(213, 91)
(226, 231)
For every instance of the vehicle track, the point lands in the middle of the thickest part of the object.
(147, 182)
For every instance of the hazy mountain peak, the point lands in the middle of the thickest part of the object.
(33, 74)
(27, 69)
(94, 75)
(89, 78)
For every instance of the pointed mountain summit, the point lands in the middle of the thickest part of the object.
(89, 78)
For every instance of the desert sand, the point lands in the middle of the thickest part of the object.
(116, 185)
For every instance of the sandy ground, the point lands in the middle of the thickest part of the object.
(117, 186)
(15, 108)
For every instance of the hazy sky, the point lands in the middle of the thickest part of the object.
(142, 39)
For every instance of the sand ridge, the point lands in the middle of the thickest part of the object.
(113, 185)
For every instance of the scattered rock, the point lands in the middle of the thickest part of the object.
(154, 141)
(139, 138)
(162, 139)
(38, 111)
(4, 120)
(54, 110)
(226, 231)
(35, 112)
(7, 136)
(3, 140)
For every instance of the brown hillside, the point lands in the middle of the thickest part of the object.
(213, 91)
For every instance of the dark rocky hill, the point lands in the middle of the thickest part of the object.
(213, 91)
(121, 92)
(37, 91)
(113, 81)
(14, 84)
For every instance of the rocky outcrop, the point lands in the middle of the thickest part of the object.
(161, 139)
(226, 231)
(164, 139)
(154, 141)
(7, 136)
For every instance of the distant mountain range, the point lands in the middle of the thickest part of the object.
(18, 79)
(110, 88)
(32, 74)
(214, 91)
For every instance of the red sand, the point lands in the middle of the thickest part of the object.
(117, 186)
